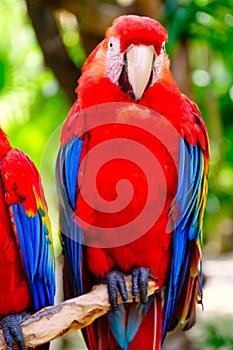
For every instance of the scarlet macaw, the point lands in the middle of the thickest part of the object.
(26, 251)
(130, 66)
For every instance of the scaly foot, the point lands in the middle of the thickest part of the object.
(12, 330)
(116, 282)
(140, 277)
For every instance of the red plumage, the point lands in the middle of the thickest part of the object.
(15, 296)
(26, 252)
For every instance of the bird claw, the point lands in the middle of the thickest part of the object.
(116, 282)
(140, 276)
(12, 330)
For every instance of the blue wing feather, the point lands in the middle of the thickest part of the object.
(36, 257)
(189, 202)
(67, 167)
(31, 226)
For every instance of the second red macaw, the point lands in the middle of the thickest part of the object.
(26, 252)
(130, 66)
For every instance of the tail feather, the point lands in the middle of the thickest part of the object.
(136, 315)
(150, 331)
(98, 336)
(117, 323)
(133, 327)
(89, 333)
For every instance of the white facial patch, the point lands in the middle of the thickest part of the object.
(158, 64)
(115, 60)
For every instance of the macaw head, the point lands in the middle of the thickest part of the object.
(135, 53)
(132, 54)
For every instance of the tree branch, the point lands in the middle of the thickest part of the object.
(56, 321)
(41, 13)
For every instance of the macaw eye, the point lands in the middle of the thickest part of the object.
(110, 44)
(163, 47)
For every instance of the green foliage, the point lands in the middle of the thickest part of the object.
(213, 334)
(68, 27)
(31, 102)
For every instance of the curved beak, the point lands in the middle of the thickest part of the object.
(140, 60)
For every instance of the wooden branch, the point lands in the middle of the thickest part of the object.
(56, 57)
(59, 320)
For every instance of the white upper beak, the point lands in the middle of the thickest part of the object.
(140, 60)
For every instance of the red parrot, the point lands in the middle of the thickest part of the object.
(127, 92)
(26, 251)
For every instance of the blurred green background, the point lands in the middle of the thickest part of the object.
(43, 45)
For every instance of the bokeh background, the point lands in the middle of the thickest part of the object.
(43, 45)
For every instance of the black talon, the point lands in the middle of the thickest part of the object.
(116, 281)
(12, 330)
(135, 283)
(140, 277)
